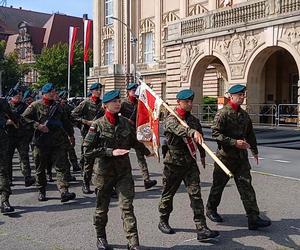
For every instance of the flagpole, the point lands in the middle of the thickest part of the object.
(183, 123)
(84, 78)
(69, 73)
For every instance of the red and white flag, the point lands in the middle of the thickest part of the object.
(86, 39)
(72, 39)
(147, 120)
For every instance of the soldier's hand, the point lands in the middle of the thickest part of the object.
(72, 140)
(203, 162)
(256, 158)
(119, 152)
(86, 122)
(241, 144)
(43, 128)
(198, 137)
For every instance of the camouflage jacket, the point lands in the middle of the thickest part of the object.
(24, 129)
(59, 125)
(87, 110)
(229, 126)
(178, 153)
(103, 138)
(6, 113)
(129, 109)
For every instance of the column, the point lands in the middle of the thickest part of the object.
(117, 32)
(184, 8)
(96, 34)
(212, 5)
(157, 34)
(298, 122)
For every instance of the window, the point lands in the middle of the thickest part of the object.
(109, 51)
(148, 47)
(22, 53)
(108, 12)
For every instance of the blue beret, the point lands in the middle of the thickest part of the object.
(237, 89)
(63, 94)
(96, 85)
(132, 85)
(89, 94)
(48, 87)
(110, 95)
(186, 94)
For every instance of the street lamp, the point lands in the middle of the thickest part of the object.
(133, 41)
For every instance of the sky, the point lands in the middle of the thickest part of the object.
(69, 7)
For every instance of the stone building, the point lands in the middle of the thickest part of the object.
(204, 45)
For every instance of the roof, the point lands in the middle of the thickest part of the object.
(11, 17)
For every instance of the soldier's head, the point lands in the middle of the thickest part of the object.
(185, 99)
(16, 96)
(111, 101)
(131, 88)
(237, 93)
(48, 90)
(63, 95)
(95, 89)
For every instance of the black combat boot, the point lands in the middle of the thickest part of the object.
(6, 208)
(67, 196)
(149, 183)
(254, 222)
(214, 216)
(102, 244)
(136, 247)
(42, 194)
(204, 233)
(70, 178)
(29, 181)
(114, 194)
(86, 187)
(164, 226)
(49, 178)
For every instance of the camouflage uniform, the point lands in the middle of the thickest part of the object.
(180, 166)
(229, 126)
(19, 138)
(128, 110)
(5, 111)
(87, 110)
(111, 171)
(49, 147)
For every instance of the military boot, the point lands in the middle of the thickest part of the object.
(214, 216)
(149, 183)
(114, 194)
(49, 178)
(42, 194)
(164, 226)
(254, 222)
(66, 196)
(6, 208)
(204, 233)
(133, 247)
(29, 181)
(102, 244)
(86, 185)
(75, 166)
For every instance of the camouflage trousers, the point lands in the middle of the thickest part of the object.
(143, 165)
(173, 175)
(124, 185)
(5, 190)
(22, 146)
(45, 158)
(242, 178)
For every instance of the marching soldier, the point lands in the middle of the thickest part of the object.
(6, 118)
(19, 138)
(128, 110)
(109, 140)
(50, 123)
(233, 131)
(85, 113)
(180, 165)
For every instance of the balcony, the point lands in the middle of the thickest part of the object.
(238, 16)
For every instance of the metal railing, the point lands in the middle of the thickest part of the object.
(260, 114)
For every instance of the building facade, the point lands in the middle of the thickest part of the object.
(204, 45)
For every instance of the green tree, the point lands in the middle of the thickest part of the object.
(11, 70)
(52, 66)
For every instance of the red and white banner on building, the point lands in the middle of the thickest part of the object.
(86, 40)
(72, 39)
(147, 122)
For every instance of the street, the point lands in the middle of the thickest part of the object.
(53, 225)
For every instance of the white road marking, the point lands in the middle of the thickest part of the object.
(189, 240)
(275, 175)
(295, 228)
(282, 161)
